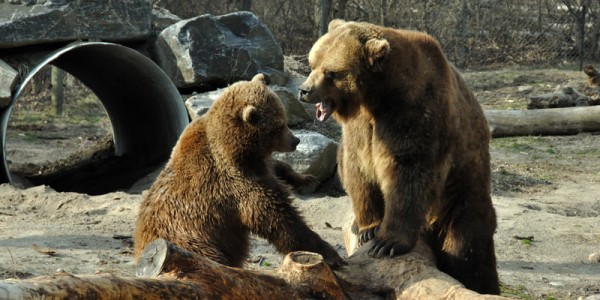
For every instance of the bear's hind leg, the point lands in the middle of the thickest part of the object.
(467, 252)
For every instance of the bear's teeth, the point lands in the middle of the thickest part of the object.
(323, 110)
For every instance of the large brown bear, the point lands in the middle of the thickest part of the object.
(221, 183)
(414, 154)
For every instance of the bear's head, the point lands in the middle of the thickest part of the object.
(339, 61)
(249, 121)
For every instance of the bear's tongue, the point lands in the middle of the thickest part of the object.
(323, 110)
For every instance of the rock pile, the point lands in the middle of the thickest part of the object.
(201, 55)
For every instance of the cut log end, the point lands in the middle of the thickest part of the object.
(152, 259)
(303, 259)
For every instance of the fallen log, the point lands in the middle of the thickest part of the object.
(554, 121)
(103, 287)
(566, 97)
(168, 272)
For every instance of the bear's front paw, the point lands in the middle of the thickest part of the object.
(382, 247)
(334, 261)
(309, 180)
(367, 235)
(307, 184)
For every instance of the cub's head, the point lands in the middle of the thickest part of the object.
(250, 120)
(340, 60)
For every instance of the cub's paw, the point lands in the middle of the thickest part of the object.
(334, 261)
(308, 180)
(367, 235)
(307, 184)
(382, 247)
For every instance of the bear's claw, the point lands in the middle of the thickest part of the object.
(388, 247)
(367, 235)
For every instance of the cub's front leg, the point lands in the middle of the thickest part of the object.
(298, 181)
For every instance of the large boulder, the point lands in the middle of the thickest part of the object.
(295, 111)
(198, 104)
(7, 78)
(36, 22)
(162, 18)
(206, 52)
(315, 155)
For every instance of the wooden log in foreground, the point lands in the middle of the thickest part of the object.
(553, 121)
(177, 274)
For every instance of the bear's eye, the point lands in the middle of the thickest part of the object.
(330, 75)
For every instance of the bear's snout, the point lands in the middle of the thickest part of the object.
(295, 142)
(304, 90)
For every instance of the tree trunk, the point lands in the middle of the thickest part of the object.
(463, 34)
(246, 5)
(567, 97)
(554, 121)
(57, 79)
(382, 11)
(340, 13)
(581, 32)
(325, 15)
(177, 274)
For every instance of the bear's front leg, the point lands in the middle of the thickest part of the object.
(270, 214)
(408, 189)
(367, 203)
(298, 181)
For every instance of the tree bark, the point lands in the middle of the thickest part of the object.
(177, 274)
(57, 78)
(554, 121)
(325, 15)
(567, 97)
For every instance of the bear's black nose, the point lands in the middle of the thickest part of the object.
(304, 90)
(295, 141)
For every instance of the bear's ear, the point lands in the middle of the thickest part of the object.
(250, 115)
(377, 52)
(260, 78)
(335, 24)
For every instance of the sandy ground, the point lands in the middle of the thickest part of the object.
(545, 189)
(88, 234)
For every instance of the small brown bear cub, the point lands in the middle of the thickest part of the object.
(414, 153)
(221, 183)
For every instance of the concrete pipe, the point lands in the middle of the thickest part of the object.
(145, 109)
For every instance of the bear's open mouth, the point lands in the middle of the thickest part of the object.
(324, 110)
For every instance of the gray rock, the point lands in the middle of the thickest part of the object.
(209, 51)
(315, 155)
(60, 21)
(295, 111)
(199, 104)
(7, 78)
(276, 77)
(162, 18)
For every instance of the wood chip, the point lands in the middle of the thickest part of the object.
(45, 251)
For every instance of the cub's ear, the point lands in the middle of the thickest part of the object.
(260, 78)
(335, 23)
(250, 115)
(377, 52)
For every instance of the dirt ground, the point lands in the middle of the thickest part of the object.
(544, 189)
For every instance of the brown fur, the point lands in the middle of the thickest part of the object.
(220, 183)
(414, 154)
(593, 76)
